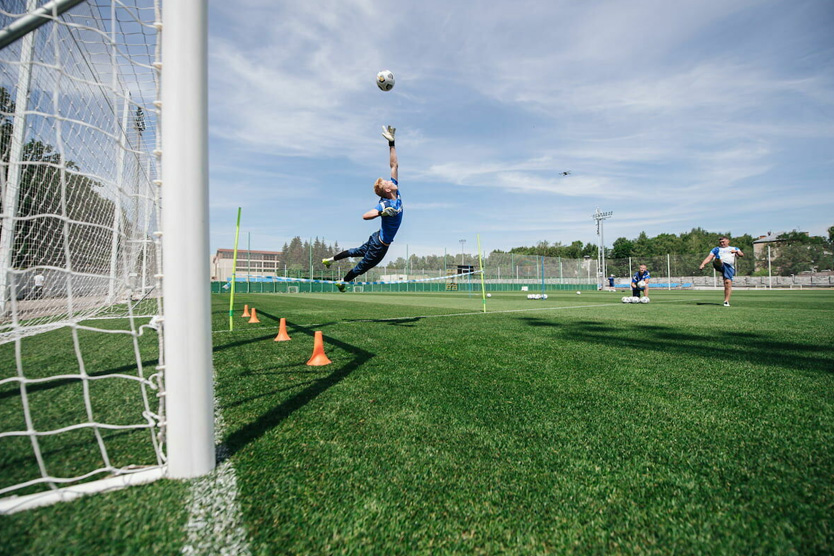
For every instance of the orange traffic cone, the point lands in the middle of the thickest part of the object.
(319, 358)
(254, 318)
(282, 332)
(246, 311)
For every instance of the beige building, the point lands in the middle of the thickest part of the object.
(249, 263)
(761, 245)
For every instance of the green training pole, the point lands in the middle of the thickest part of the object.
(481, 264)
(234, 275)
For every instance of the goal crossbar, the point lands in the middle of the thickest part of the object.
(33, 20)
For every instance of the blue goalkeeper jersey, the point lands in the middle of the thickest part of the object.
(390, 224)
(641, 276)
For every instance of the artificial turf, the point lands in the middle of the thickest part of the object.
(575, 424)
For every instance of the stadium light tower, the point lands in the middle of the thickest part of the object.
(600, 217)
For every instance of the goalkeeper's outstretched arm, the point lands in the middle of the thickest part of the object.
(392, 154)
(389, 133)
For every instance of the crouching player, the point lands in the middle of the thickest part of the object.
(640, 282)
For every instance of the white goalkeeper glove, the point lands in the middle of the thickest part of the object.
(389, 211)
(388, 132)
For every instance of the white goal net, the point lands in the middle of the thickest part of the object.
(82, 381)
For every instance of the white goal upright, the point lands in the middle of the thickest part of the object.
(105, 339)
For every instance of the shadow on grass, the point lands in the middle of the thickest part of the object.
(398, 321)
(238, 439)
(242, 401)
(75, 449)
(758, 349)
(130, 370)
(240, 343)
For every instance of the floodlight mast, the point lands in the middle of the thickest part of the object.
(600, 217)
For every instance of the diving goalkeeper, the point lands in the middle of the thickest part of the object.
(390, 211)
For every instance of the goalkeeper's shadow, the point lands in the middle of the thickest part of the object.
(395, 321)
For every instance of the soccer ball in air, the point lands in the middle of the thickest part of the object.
(385, 80)
(578, 293)
(489, 295)
(641, 284)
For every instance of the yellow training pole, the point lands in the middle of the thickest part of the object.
(234, 275)
(481, 264)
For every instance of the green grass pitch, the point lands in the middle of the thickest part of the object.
(572, 425)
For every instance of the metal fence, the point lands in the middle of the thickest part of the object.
(511, 272)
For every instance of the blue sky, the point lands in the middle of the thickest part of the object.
(671, 114)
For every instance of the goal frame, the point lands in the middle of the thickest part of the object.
(182, 148)
(185, 213)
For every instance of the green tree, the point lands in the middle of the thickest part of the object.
(622, 248)
(295, 256)
(589, 250)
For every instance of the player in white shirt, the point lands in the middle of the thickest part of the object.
(723, 259)
(39, 280)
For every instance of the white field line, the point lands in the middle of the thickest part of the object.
(215, 525)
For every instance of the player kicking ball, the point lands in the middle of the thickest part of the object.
(389, 209)
(723, 260)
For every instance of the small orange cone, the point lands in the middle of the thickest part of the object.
(319, 358)
(282, 332)
(254, 318)
(246, 311)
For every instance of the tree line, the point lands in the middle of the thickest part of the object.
(298, 254)
(792, 253)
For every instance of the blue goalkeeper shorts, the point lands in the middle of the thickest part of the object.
(372, 253)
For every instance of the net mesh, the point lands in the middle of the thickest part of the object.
(80, 255)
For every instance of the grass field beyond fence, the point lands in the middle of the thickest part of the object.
(575, 424)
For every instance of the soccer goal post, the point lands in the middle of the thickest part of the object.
(104, 293)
